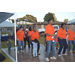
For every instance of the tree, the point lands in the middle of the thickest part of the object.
(29, 18)
(66, 20)
(12, 20)
(50, 16)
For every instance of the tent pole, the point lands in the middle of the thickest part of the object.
(15, 35)
(0, 41)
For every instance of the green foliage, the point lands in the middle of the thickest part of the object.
(12, 20)
(50, 16)
(66, 20)
(29, 18)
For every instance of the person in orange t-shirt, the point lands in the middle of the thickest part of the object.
(35, 35)
(71, 39)
(30, 37)
(50, 33)
(20, 37)
(61, 34)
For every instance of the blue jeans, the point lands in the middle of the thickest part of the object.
(49, 44)
(19, 45)
(62, 42)
(34, 52)
(70, 45)
(9, 46)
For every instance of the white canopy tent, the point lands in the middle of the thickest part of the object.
(3, 17)
(71, 21)
(7, 24)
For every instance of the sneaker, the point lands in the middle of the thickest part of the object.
(59, 55)
(73, 51)
(69, 52)
(64, 54)
(53, 57)
(22, 51)
(38, 53)
(47, 59)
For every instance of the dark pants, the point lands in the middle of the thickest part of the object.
(38, 47)
(31, 44)
(62, 43)
(27, 39)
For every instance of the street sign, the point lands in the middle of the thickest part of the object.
(0, 29)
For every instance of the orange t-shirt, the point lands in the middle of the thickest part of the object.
(30, 33)
(35, 35)
(50, 30)
(71, 35)
(20, 35)
(61, 33)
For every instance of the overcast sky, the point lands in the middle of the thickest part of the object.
(40, 15)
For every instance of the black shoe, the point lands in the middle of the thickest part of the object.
(38, 53)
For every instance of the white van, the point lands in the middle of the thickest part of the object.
(56, 27)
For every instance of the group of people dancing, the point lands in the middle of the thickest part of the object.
(64, 37)
(32, 36)
(52, 37)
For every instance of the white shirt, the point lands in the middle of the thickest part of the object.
(34, 45)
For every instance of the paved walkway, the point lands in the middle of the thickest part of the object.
(27, 56)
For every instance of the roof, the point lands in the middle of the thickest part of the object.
(45, 23)
(7, 24)
(71, 21)
(4, 16)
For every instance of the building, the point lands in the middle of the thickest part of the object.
(44, 24)
(25, 24)
(40, 24)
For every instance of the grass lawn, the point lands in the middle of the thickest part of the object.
(41, 40)
(5, 33)
(4, 43)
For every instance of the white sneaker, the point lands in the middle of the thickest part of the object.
(64, 54)
(59, 55)
(47, 59)
(53, 57)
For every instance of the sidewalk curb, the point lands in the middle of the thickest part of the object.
(8, 55)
